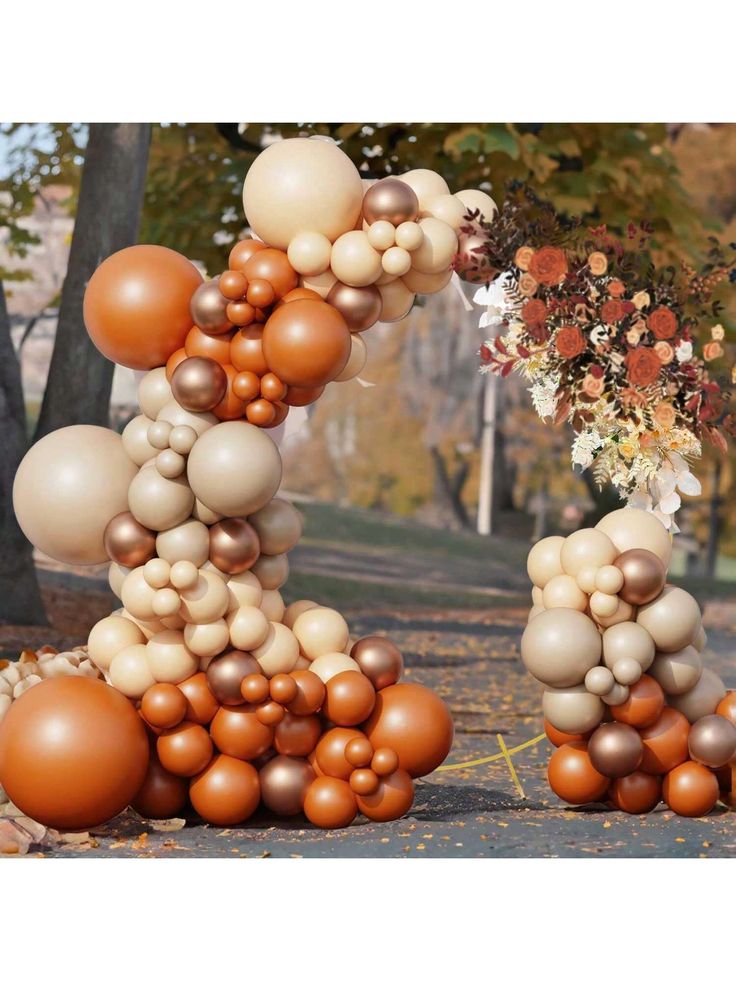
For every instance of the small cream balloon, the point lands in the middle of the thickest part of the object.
(200, 512)
(183, 574)
(245, 590)
(166, 603)
(182, 439)
(135, 440)
(603, 604)
(176, 415)
(327, 666)
(154, 392)
(572, 710)
(158, 502)
(170, 464)
(448, 208)
(426, 184)
(109, 636)
(137, 596)
(563, 591)
(677, 672)
(354, 261)
(159, 433)
(130, 672)
(248, 626)
(295, 610)
(309, 253)
(381, 235)
(586, 547)
(396, 261)
(321, 631)
(586, 579)
(169, 658)
(409, 236)
(438, 247)
(157, 573)
(475, 200)
(321, 283)
(185, 542)
(206, 601)
(207, 639)
(426, 283)
(599, 680)
(279, 651)
(627, 640)
(543, 562)
(609, 579)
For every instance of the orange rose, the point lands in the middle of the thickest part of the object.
(643, 366)
(548, 266)
(616, 288)
(712, 350)
(523, 257)
(597, 263)
(527, 284)
(663, 323)
(664, 351)
(664, 415)
(612, 311)
(593, 386)
(534, 313)
(569, 342)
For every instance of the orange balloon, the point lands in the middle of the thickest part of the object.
(302, 396)
(230, 407)
(273, 266)
(174, 361)
(690, 789)
(246, 350)
(306, 343)
(240, 313)
(573, 777)
(282, 411)
(272, 388)
(260, 412)
(201, 345)
(413, 721)
(226, 792)
(559, 738)
(242, 251)
(246, 385)
(136, 306)
(300, 293)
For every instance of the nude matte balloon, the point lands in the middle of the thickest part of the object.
(586, 547)
(248, 627)
(448, 208)
(321, 631)
(572, 709)
(419, 282)
(272, 571)
(177, 415)
(475, 200)
(543, 561)
(354, 261)
(109, 636)
(356, 361)
(306, 343)
(137, 595)
(294, 611)
(703, 697)
(627, 640)
(68, 487)
(426, 184)
(672, 619)
(278, 652)
(136, 305)
(633, 528)
(309, 253)
(564, 592)
(135, 440)
(272, 604)
(154, 392)
(245, 590)
(279, 526)
(169, 658)
(234, 468)
(320, 284)
(559, 647)
(206, 601)
(130, 672)
(396, 301)
(157, 502)
(326, 666)
(677, 672)
(438, 247)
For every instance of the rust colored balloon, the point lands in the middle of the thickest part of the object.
(201, 703)
(240, 313)
(254, 688)
(128, 542)
(73, 752)
(260, 293)
(174, 361)
(665, 742)
(310, 694)
(359, 752)
(727, 707)
(198, 384)
(297, 735)
(637, 793)
(246, 350)
(163, 795)
(201, 345)
(164, 706)
(282, 411)
(284, 784)
(643, 706)
(230, 406)
(330, 803)
(270, 713)
(364, 782)
(690, 789)
(234, 545)
(236, 731)
(306, 344)
(225, 674)
(573, 777)
(272, 388)
(209, 308)
(644, 575)
(246, 385)
(349, 699)
(415, 722)
(390, 200)
(303, 396)
(226, 792)
(385, 761)
(185, 750)
(712, 741)
(379, 660)
(273, 266)
(260, 412)
(232, 284)
(392, 799)
(330, 752)
(559, 738)
(242, 251)
(283, 688)
(136, 305)
(360, 306)
(615, 749)
(300, 293)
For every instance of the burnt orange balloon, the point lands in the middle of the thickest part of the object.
(727, 707)
(163, 795)
(270, 713)
(665, 742)
(136, 305)
(330, 752)
(691, 789)
(350, 698)
(283, 688)
(310, 693)
(643, 706)
(246, 350)
(260, 412)
(330, 803)
(233, 284)
(637, 793)
(558, 738)
(306, 344)
(300, 293)
(73, 752)
(163, 706)
(201, 703)
(184, 750)
(272, 388)
(359, 752)
(364, 782)
(246, 386)
(260, 293)
(273, 266)
(201, 345)
(236, 731)
(573, 777)
(226, 792)
(282, 411)
(242, 251)
(392, 799)
(413, 721)
(174, 361)
(385, 761)
(230, 407)
(240, 313)
(254, 688)
(297, 735)
(303, 396)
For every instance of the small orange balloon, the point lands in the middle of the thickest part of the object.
(385, 761)
(691, 789)
(272, 388)
(201, 703)
(283, 688)
(201, 345)
(233, 284)
(643, 706)
(174, 361)
(303, 396)
(246, 350)
(242, 251)
(260, 293)
(282, 411)
(330, 803)
(240, 313)
(364, 782)
(163, 706)
(230, 407)
(637, 793)
(391, 800)
(260, 412)
(246, 385)
(310, 693)
(359, 752)
(727, 707)
(270, 714)
(273, 266)
(254, 688)
(350, 698)
(184, 750)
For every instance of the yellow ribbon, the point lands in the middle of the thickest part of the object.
(496, 756)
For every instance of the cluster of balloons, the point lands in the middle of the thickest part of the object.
(634, 714)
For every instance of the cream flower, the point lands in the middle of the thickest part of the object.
(684, 351)
(717, 332)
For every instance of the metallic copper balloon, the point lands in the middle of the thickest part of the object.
(273, 266)
(283, 689)
(234, 545)
(128, 542)
(310, 693)
(636, 793)
(201, 703)
(242, 251)
(237, 731)
(246, 350)
(209, 308)
(164, 706)
(226, 792)
(305, 343)
(615, 749)
(644, 575)
(254, 688)
(665, 742)
(379, 660)
(184, 750)
(302, 396)
(690, 789)
(350, 698)
(727, 707)
(226, 672)
(330, 753)
(297, 735)
(330, 803)
(390, 200)
(73, 752)
(643, 706)
(573, 777)
(413, 721)
(163, 795)
(284, 784)
(391, 800)
(198, 384)
(359, 305)
(712, 741)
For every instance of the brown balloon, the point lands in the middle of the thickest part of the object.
(391, 800)
(284, 784)
(225, 674)
(637, 793)
(246, 350)
(242, 251)
(306, 344)
(201, 703)
(390, 200)
(254, 688)
(201, 345)
(690, 790)
(73, 752)
(573, 777)
(234, 545)
(303, 396)
(643, 706)
(665, 742)
(310, 693)
(330, 752)
(712, 741)
(615, 749)
(184, 750)
(350, 698)
(237, 731)
(198, 384)
(209, 308)
(360, 306)
(163, 795)
(330, 803)
(283, 689)
(128, 542)
(364, 782)
(297, 735)
(379, 660)
(413, 721)
(273, 266)
(164, 706)
(226, 792)
(644, 576)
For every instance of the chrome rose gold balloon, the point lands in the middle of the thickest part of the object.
(234, 545)
(199, 384)
(359, 305)
(128, 542)
(644, 575)
(209, 308)
(712, 741)
(390, 200)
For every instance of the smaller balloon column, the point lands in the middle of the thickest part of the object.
(635, 716)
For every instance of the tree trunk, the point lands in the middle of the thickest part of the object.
(108, 216)
(448, 488)
(714, 522)
(20, 597)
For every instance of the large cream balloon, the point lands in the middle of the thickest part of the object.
(573, 710)
(633, 528)
(448, 208)
(588, 547)
(109, 636)
(426, 184)
(68, 487)
(418, 282)
(279, 526)
(396, 300)
(135, 440)
(543, 562)
(302, 185)
(677, 672)
(563, 592)
(558, 647)
(474, 200)
(354, 261)
(309, 253)
(169, 659)
(438, 247)
(672, 619)
(158, 502)
(234, 468)
(279, 651)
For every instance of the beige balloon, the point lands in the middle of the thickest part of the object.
(309, 253)
(677, 672)
(248, 627)
(326, 666)
(586, 547)
(701, 639)
(68, 486)
(183, 574)
(672, 619)
(279, 651)
(207, 639)
(534, 612)
(170, 464)
(321, 631)
(627, 671)
(294, 611)
(558, 647)
(702, 699)
(157, 502)
(396, 261)
(586, 579)
(627, 640)
(543, 562)
(599, 680)
(321, 283)
(426, 184)
(381, 234)
(234, 468)
(154, 392)
(176, 415)
(354, 260)
(624, 612)
(356, 360)
(603, 604)
(279, 526)
(245, 590)
(409, 236)
(137, 595)
(116, 577)
(182, 439)
(438, 247)
(475, 200)
(204, 514)
(299, 185)
(185, 542)
(169, 659)
(572, 710)
(425, 283)
(135, 440)
(537, 596)
(206, 601)
(157, 573)
(630, 527)
(209, 567)
(448, 208)
(272, 604)
(272, 571)
(563, 591)
(130, 672)
(617, 695)
(166, 603)
(397, 301)
(147, 627)
(109, 636)
(608, 579)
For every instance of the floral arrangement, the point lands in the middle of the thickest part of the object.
(610, 344)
